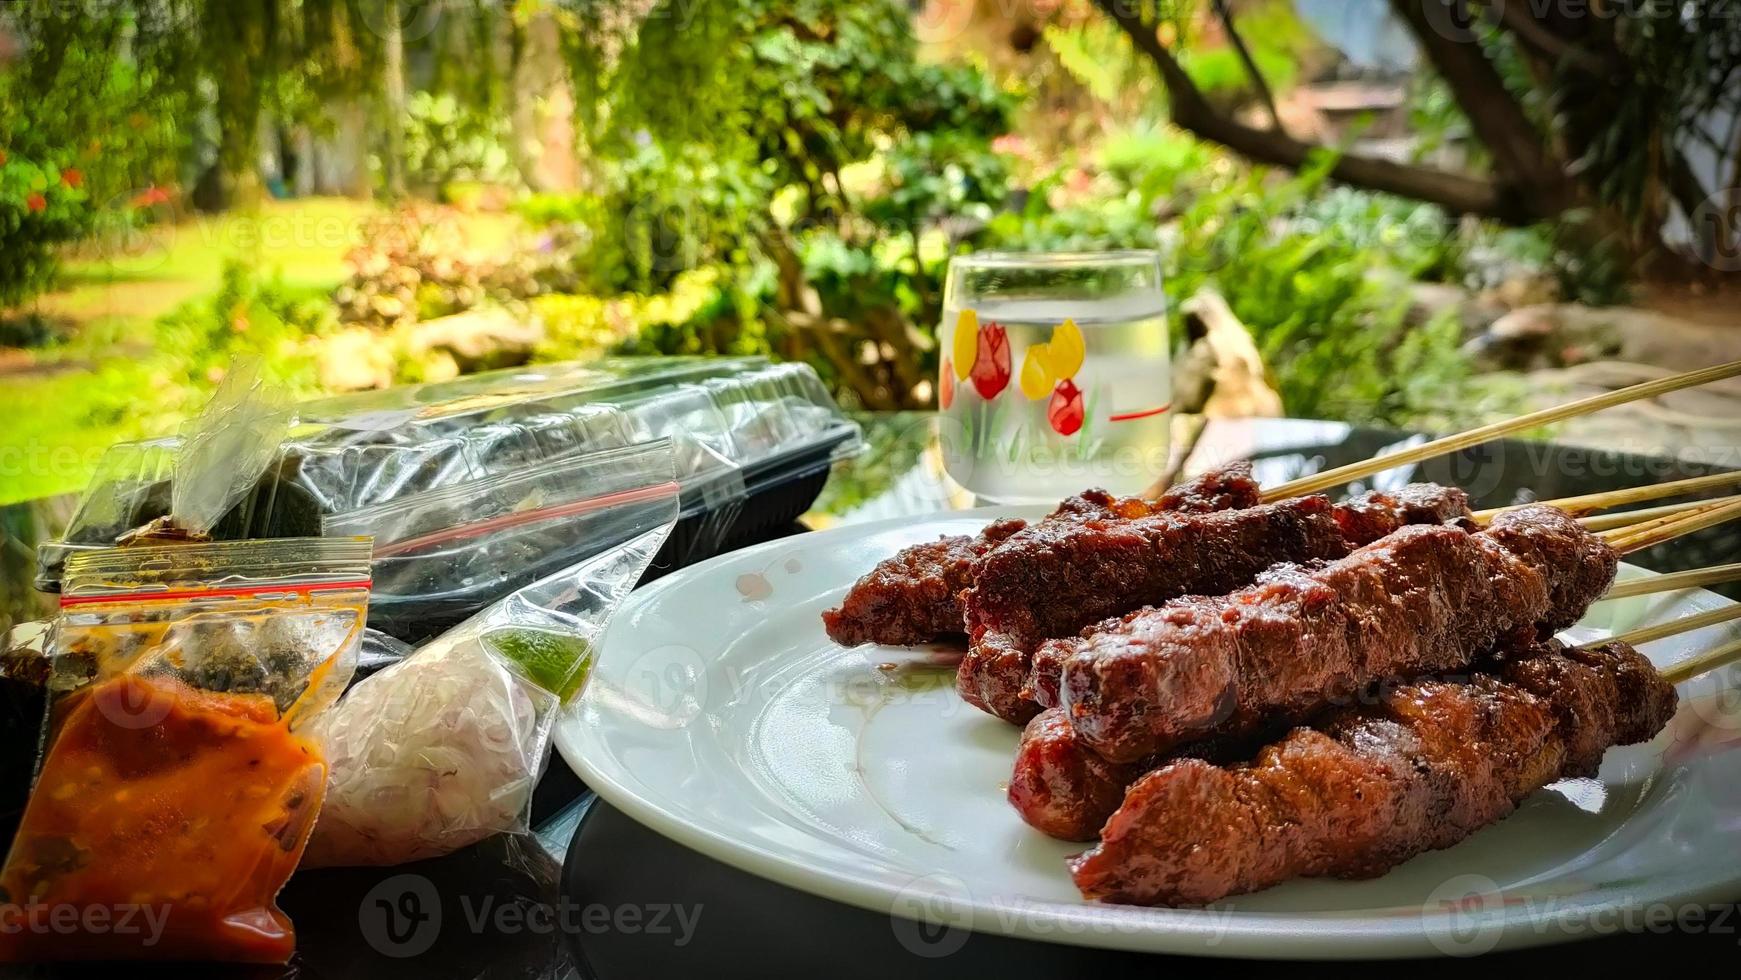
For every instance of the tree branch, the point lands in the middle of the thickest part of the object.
(1516, 18)
(1688, 191)
(1257, 80)
(1520, 154)
(1191, 111)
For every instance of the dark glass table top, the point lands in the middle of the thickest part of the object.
(593, 894)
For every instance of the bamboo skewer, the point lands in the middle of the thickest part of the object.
(1583, 503)
(1473, 437)
(1629, 518)
(1684, 624)
(1638, 537)
(1705, 662)
(1693, 579)
(1719, 656)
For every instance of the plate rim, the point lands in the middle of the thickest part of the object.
(1193, 932)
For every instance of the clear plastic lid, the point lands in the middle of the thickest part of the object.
(734, 424)
(443, 554)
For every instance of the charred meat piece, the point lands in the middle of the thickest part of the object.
(1229, 487)
(1062, 790)
(1066, 791)
(1424, 767)
(914, 596)
(1362, 520)
(1053, 580)
(1366, 517)
(1423, 600)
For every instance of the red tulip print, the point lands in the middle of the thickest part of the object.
(1065, 411)
(946, 388)
(991, 362)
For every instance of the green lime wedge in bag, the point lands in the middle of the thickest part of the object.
(557, 662)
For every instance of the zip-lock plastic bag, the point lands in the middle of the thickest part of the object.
(443, 554)
(222, 453)
(443, 749)
(180, 783)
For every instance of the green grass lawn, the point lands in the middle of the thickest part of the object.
(96, 386)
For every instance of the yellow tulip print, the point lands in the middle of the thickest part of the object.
(1064, 353)
(964, 346)
(1036, 381)
(1046, 364)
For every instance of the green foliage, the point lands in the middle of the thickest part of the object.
(1098, 55)
(1334, 331)
(784, 144)
(1306, 268)
(1418, 240)
(584, 326)
(412, 264)
(930, 176)
(197, 341)
(1278, 42)
(82, 129)
(447, 141)
(1155, 160)
(804, 88)
(40, 208)
(32, 329)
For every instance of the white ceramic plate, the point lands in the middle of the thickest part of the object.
(720, 715)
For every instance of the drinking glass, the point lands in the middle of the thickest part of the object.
(1055, 373)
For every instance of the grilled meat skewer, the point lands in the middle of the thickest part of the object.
(1055, 579)
(1425, 599)
(1065, 790)
(1370, 787)
(914, 596)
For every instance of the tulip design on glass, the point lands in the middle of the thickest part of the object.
(980, 354)
(1049, 371)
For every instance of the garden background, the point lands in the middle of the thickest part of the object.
(1426, 213)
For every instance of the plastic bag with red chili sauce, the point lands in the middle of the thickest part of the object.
(179, 785)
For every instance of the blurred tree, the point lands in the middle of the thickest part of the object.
(804, 143)
(1579, 112)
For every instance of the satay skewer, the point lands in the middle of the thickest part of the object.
(1223, 676)
(1063, 789)
(1367, 788)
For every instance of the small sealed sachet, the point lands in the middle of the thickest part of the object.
(444, 748)
(179, 782)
